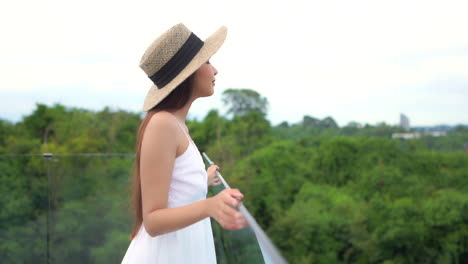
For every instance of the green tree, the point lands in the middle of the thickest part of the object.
(40, 124)
(318, 226)
(244, 101)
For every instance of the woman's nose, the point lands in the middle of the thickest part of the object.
(215, 71)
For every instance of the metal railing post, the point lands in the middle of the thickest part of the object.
(47, 157)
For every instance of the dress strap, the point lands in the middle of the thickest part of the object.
(182, 128)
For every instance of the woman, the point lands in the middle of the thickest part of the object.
(170, 182)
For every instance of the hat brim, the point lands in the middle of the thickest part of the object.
(211, 46)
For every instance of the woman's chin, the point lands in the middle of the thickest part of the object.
(211, 92)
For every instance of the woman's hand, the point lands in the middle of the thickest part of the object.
(213, 179)
(222, 208)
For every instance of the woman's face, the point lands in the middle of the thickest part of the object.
(204, 80)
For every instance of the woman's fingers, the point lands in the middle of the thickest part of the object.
(235, 220)
(213, 179)
(227, 216)
(234, 217)
(214, 167)
(236, 193)
(228, 211)
(230, 199)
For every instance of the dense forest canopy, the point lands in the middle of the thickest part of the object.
(323, 193)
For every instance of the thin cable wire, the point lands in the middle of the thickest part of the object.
(70, 154)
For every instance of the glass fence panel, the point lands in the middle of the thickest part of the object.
(239, 246)
(23, 209)
(89, 216)
(75, 209)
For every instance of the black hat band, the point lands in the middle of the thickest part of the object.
(178, 62)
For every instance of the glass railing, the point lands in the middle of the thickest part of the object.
(65, 208)
(76, 209)
(239, 246)
(23, 210)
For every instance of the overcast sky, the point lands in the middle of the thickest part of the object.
(364, 61)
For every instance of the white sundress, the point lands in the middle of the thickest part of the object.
(192, 244)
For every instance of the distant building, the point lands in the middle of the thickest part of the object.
(436, 133)
(420, 134)
(406, 135)
(466, 146)
(404, 122)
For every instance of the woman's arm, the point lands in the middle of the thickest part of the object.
(158, 153)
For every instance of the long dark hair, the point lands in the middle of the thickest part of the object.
(177, 99)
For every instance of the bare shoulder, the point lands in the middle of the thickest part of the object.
(161, 122)
(160, 136)
(160, 133)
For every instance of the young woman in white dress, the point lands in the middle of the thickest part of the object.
(172, 213)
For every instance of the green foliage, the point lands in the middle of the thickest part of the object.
(327, 122)
(335, 162)
(6, 128)
(319, 226)
(208, 132)
(310, 126)
(40, 123)
(244, 101)
(16, 207)
(387, 186)
(231, 140)
(271, 177)
(324, 194)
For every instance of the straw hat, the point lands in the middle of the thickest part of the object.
(173, 57)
